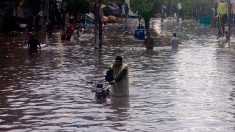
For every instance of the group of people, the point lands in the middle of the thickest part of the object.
(117, 74)
(149, 42)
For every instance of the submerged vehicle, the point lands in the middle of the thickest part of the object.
(101, 89)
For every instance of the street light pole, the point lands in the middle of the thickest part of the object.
(229, 15)
(98, 24)
(126, 15)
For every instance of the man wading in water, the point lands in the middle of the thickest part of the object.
(118, 77)
(33, 44)
(149, 42)
(174, 41)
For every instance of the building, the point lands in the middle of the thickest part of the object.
(33, 13)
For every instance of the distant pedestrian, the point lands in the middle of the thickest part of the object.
(175, 16)
(149, 42)
(69, 32)
(33, 44)
(49, 27)
(227, 37)
(174, 41)
(63, 34)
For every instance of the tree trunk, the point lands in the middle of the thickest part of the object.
(100, 33)
(147, 24)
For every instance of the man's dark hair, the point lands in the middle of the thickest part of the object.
(118, 58)
(174, 34)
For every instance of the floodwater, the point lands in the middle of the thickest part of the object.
(191, 89)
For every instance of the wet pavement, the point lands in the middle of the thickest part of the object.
(186, 90)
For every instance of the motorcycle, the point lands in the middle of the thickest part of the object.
(101, 90)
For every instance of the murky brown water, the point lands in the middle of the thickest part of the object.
(191, 89)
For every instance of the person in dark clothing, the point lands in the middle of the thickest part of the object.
(63, 34)
(49, 28)
(33, 44)
(227, 37)
(69, 33)
(149, 42)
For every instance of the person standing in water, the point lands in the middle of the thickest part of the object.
(149, 42)
(33, 44)
(118, 77)
(227, 37)
(174, 41)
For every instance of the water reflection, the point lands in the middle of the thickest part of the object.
(119, 114)
(9, 112)
(223, 55)
(150, 53)
(60, 48)
(99, 64)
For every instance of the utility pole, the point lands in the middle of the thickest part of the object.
(229, 15)
(98, 24)
(41, 14)
(96, 9)
(126, 15)
(47, 8)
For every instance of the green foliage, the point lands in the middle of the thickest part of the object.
(32, 3)
(146, 8)
(202, 6)
(109, 2)
(79, 6)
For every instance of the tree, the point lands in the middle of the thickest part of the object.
(79, 6)
(109, 2)
(196, 7)
(146, 9)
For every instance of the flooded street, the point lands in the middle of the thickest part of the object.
(191, 89)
